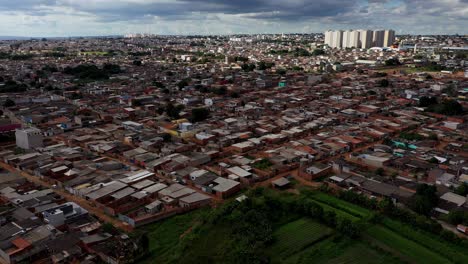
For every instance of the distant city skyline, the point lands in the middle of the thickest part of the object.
(62, 18)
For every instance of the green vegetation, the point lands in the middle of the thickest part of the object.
(295, 236)
(416, 252)
(92, 72)
(458, 217)
(392, 62)
(263, 164)
(11, 86)
(274, 227)
(200, 114)
(411, 136)
(462, 189)
(384, 83)
(9, 103)
(173, 111)
(446, 107)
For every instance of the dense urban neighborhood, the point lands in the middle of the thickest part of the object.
(286, 148)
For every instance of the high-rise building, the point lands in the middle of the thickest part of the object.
(389, 38)
(366, 38)
(346, 38)
(337, 41)
(328, 37)
(354, 39)
(378, 38)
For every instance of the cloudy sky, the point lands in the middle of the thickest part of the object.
(37, 18)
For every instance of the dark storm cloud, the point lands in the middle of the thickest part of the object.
(121, 10)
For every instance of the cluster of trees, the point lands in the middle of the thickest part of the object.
(263, 164)
(139, 53)
(55, 54)
(426, 101)
(92, 72)
(12, 56)
(200, 114)
(424, 200)
(379, 74)
(384, 83)
(11, 86)
(386, 207)
(298, 52)
(318, 52)
(251, 222)
(265, 65)
(173, 111)
(462, 189)
(446, 107)
(248, 67)
(458, 217)
(182, 84)
(411, 136)
(392, 62)
(241, 59)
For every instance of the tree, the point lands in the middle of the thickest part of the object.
(200, 114)
(9, 103)
(426, 101)
(384, 83)
(380, 171)
(447, 107)
(167, 137)
(462, 189)
(318, 52)
(424, 200)
(348, 228)
(182, 84)
(137, 63)
(392, 62)
(173, 111)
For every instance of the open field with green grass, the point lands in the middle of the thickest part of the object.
(412, 250)
(336, 203)
(341, 250)
(454, 253)
(295, 236)
(221, 235)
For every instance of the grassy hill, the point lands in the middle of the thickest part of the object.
(313, 227)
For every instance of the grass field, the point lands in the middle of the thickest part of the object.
(298, 239)
(165, 235)
(452, 252)
(410, 249)
(295, 236)
(344, 206)
(341, 250)
(96, 53)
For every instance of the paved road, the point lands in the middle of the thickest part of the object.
(71, 198)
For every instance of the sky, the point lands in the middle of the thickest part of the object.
(63, 18)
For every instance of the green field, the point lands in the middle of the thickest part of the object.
(341, 205)
(295, 236)
(454, 253)
(342, 250)
(417, 253)
(191, 238)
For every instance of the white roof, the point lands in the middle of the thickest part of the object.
(454, 198)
